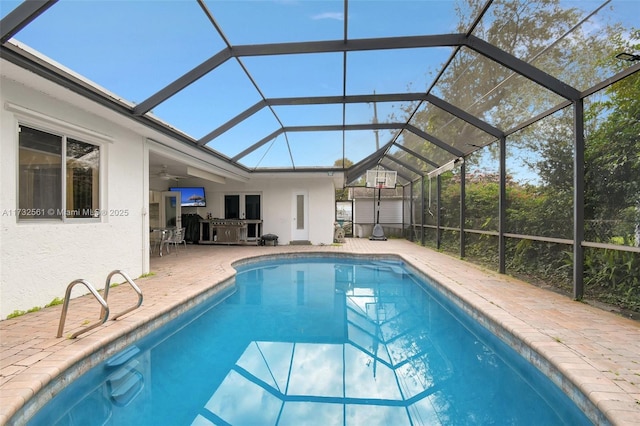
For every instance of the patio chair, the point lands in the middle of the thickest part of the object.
(165, 239)
(158, 239)
(177, 238)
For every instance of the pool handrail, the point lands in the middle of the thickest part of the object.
(104, 313)
(107, 285)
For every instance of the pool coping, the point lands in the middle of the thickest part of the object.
(563, 364)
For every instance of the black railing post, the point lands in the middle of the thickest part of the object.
(578, 199)
(502, 207)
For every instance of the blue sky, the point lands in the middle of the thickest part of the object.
(133, 48)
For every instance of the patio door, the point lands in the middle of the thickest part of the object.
(170, 210)
(300, 204)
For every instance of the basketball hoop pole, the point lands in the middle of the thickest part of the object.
(379, 179)
(378, 212)
(378, 232)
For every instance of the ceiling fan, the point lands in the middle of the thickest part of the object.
(165, 175)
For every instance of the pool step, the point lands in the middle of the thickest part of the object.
(392, 266)
(126, 381)
(122, 358)
(124, 386)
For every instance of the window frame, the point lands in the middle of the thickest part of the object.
(25, 117)
(242, 212)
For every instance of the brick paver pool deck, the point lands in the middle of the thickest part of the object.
(598, 351)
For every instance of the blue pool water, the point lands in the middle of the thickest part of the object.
(317, 342)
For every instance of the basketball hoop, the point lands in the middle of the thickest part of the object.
(380, 179)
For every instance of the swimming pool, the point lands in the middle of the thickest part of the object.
(324, 341)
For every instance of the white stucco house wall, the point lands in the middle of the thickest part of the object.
(40, 256)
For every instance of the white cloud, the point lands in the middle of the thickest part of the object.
(338, 16)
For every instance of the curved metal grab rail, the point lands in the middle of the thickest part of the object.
(131, 283)
(104, 313)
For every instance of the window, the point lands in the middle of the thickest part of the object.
(300, 211)
(43, 193)
(232, 207)
(252, 206)
(244, 206)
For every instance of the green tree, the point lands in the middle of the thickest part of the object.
(342, 194)
(547, 35)
(612, 159)
(534, 31)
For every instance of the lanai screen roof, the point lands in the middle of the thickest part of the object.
(296, 85)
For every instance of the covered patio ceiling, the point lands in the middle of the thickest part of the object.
(326, 85)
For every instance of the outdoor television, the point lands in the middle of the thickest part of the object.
(191, 196)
